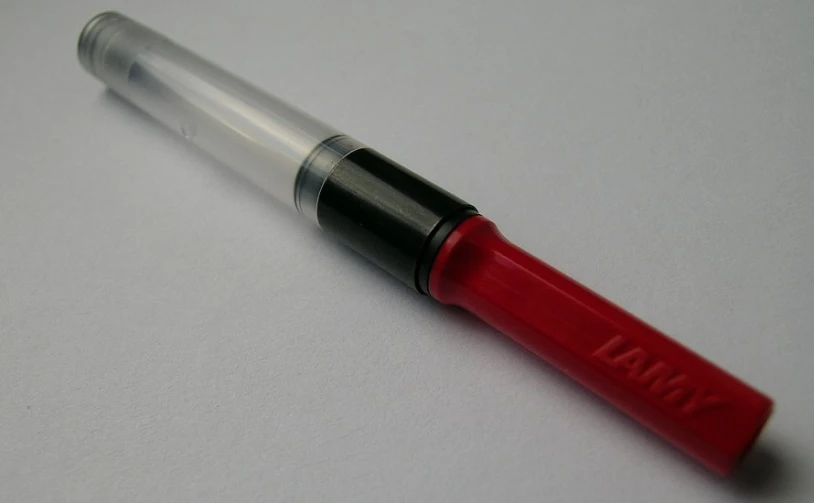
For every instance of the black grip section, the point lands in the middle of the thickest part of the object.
(389, 214)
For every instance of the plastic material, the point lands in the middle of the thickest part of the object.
(698, 407)
(389, 215)
(256, 134)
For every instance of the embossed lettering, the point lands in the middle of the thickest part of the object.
(605, 352)
(700, 400)
(656, 376)
(660, 377)
(633, 361)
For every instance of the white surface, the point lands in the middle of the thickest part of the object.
(167, 333)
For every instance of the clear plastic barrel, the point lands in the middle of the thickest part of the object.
(258, 135)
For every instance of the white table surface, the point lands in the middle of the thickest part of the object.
(167, 333)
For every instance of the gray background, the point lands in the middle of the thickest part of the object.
(168, 333)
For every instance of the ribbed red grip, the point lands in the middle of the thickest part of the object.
(695, 405)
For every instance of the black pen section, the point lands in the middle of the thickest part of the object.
(389, 215)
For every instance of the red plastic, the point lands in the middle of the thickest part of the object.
(704, 411)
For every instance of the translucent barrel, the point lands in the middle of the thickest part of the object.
(281, 149)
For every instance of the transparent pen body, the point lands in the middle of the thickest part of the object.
(268, 141)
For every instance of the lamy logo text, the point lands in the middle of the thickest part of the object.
(656, 376)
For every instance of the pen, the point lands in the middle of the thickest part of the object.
(431, 240)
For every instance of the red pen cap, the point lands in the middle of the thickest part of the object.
(701, 409)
